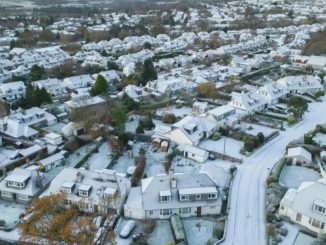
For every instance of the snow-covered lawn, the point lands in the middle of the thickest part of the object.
(198, 231)
(155, 162)
(303, 239)
(292, 234)
(184, 165)
(79, 154)
(218, 174)
(293, 176)
(10, 212)
(232, 146)
(162, 233)
(123, 163)
(254, 129)
(178, 112)
(101, 159)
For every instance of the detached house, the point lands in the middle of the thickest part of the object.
(12, 91)
(306, 205)
(272, 92)
(189, 130)
(248, 102)
(300, 84)
(21, 185)
(162, 196)
(101, 191)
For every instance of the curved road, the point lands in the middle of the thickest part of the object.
(246, 221)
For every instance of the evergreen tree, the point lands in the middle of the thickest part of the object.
(100, 86)
(148, 73)
(37, 72)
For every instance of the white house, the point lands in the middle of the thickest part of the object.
(82, 100)
(300, 84)
(248, 102)
(54, 86)
(299, 155)
(82, 81)
(94, 191)
(53, 139)
(161, 196)
(272, 93)
(306, 205)
(18, 125)
(222, 115)
(12, 91)
(193, 153)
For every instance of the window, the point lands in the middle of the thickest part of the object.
(198, 196)
(67, 202)
(315, 223)
(212, 196)
(22, 197)
(165, 198)
(165, 211)
(83, 193)
(298, 218)
(6, 193)
(184, 210)
(151, 212)
(319, 209)
(184, 197)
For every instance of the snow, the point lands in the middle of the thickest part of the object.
(246, 221)
(232, 146)
(198, 235)
(162, 233)
(184, 165)
(10, 212)
(303, 239)
(178, 112)
(292, 234)
(293, 176)
(74, 158)
(101, 159)
(256, 129)
(5, 153)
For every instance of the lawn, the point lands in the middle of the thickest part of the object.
(198, 231)
(10, 212)
(293, 176)
(162, 233)
(232, 146)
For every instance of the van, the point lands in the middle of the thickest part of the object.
(127, 229)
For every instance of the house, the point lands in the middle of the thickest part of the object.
(47, 164)
(54, 86)
(189, 130)
(306, 205)
(82, 100)
(12, 91)
(93, 191)
(82, 81)
(299, 155)
(222, 115)
(161, 196)
(21, 185)
(53, 139)
(135, 92)
(315, 62)
(300, 84)
(193, 153)
(248, 102)
(272, 93)
(199, 107)
(19, 124)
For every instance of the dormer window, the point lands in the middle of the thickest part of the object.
(165, 196)
(67, 187)
(84, 190)
(319, 206)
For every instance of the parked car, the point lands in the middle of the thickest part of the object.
(127, 229)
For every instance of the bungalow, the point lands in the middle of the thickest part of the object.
(54, 86)
(306, 205)
(193, 153)
(161, 196)
(299, 155)
(82, 100)
(82, 81)
(93, 191)
(222, 115)
(53, 139)
(47, 164)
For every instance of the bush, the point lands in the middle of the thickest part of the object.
(261, 137)
(219, 233)
(216, 136)
(251, 142)
(291, 121)
(169, 118)
(2, 223)
(308, 139)
(319, 93)
(224, 131)
(140, 129)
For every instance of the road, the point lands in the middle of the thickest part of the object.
(246, 221)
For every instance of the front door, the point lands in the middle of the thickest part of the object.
(198, 211)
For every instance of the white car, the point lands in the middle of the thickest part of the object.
(127, 229)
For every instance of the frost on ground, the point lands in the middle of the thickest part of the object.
(218, 174)
(303, 239)
(100, 159)
(178, 112)
(232, 146)
(5, 153)
(292, 234)
(254, 129)
(10, 212)
(293, 176)
(183, 165)
(162, 233)
(198, 231)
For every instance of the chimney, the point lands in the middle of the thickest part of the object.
(79, 177)
(173, 182)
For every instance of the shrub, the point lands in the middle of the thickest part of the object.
(291, 121)
(2, 223)
(308, 139)
(224, 131)
(251, 142)
(319, 93)
(140, 129)
(169, 118)
(219, 233)
(261, 137)
(216, 136)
